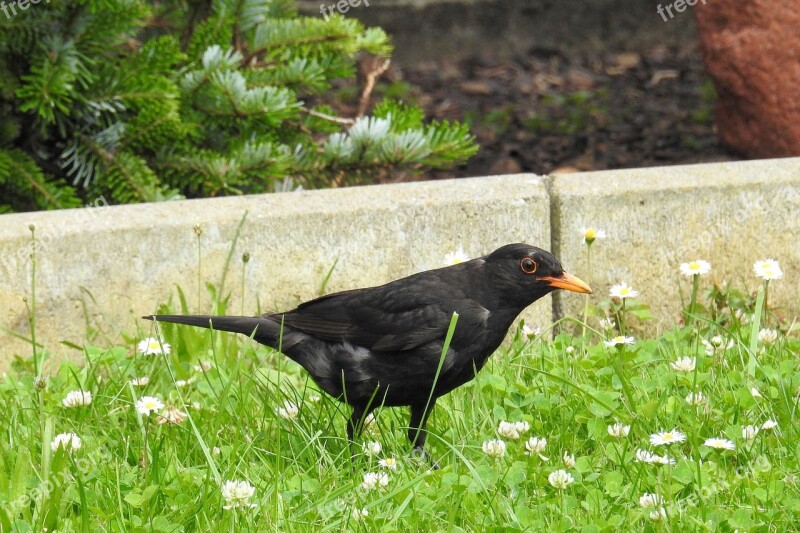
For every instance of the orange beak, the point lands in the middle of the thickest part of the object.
(568, 282)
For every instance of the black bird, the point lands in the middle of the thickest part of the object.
(382, 346)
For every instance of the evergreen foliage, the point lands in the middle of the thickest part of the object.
(140, 101)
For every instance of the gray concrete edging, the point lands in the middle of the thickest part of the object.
(109, 265)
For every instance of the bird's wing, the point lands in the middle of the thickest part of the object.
(399, 316)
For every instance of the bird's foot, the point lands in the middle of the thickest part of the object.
(422, 455)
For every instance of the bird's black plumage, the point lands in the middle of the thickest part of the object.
(382, 345)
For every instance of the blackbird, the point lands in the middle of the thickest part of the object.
(382, 346)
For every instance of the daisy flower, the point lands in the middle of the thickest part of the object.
(560, 479)
(390, 463)
(619, 340)
(769, 424)
(375, 480)
(622, 290)
(720, 444)
(667, 438)
(697, 267)
(454, 258)
(77, 398)
(592, 234)
(658, 514)
(530, 332)
(767, 269)
(149, 404)
(619, 430)
(67, 441)
(494, 448)
(237, 493)
(152, 346)
(684, 364)
(644, 456)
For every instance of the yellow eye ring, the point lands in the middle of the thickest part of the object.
(528, 265)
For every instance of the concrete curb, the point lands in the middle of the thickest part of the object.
(113, 264)
(109, 265)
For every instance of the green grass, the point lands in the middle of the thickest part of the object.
(134, 474)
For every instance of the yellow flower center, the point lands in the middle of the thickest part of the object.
(694, 265)
(590, 234)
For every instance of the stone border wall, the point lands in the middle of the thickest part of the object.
(109, 265)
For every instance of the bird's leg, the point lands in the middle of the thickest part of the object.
(417, 434)
(354, 426)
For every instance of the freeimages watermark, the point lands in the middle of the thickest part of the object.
(22, 5)
(678, 5)
(342, 6)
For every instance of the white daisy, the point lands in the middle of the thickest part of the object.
(663, 460)
(152, 346)
(494, 448)
(67, 441)
(623, 290)
(720, 444)
(149, 404)
(560, 479)
(530, 332)
(619, 430)
(237, 494)
(140, 382)
(592, 234)
(698, 267)
(684, 364)
(77, 398)
(658, 514)
(454, 258)
(667, 438)
(619, 340)
(767, 269)
(769, 424)
(390, 463)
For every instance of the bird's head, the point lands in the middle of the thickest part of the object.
(527, 273)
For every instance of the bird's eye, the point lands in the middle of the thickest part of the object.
(528, 265)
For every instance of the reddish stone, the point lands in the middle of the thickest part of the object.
(751, 50)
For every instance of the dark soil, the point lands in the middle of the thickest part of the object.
(549, 112)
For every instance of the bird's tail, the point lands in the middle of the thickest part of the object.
(262, 329)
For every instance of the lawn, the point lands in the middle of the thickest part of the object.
(598, 427)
